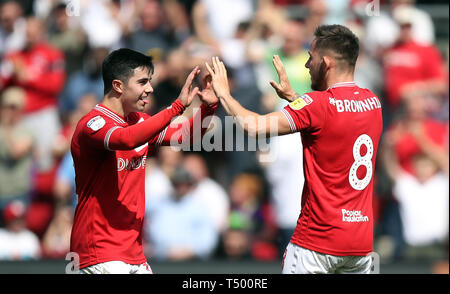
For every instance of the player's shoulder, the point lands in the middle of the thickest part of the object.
(95, 120)
(306, 99)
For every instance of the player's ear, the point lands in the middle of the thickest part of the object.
(328, 61)
(117, 86)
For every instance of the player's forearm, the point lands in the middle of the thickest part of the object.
(139, 134)
(179, 133)
(245, 118)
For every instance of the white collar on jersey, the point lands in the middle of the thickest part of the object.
(109, 113)
(342, 84)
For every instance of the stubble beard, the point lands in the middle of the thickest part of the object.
(318, 78)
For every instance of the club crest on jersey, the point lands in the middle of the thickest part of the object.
(96, 123)
(300, 102)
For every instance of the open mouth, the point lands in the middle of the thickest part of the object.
(144, 100)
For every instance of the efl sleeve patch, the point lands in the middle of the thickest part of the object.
(300, 102)
(96, 123)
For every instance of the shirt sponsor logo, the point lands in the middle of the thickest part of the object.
(347, 105)
(300, 102)
(96, 123)
(131, 164)
(353, 216)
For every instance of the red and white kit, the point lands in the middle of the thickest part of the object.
(109, 153)
(340, 130)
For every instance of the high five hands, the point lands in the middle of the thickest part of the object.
(188, 92)
(219, 78)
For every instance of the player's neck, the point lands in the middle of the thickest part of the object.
(114, 104)
(334, 79)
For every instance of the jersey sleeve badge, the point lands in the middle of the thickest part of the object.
(300, 102)
(96, 123)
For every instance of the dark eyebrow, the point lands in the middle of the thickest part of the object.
(144, 80)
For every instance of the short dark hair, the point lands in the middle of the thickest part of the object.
(340, 40)
(121, 63)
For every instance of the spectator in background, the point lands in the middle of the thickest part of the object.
(16, 241)
(39, 70)
(285, 192)
(415, 132)
(171, 80)
(12, 27)
(294, 56)
(235, 54)
(56, 240)
(216, 21)
(16, 149)
(179, 229)
(383, 30)
(368, 71)
(263, 36)
(178, 18)
(316, 15)
(208, 191)
(64, 186)
(423, 197)
(87, 80)
(99, 21)
(67, 37)
(338, 12)
(158, 173)
(151, 36)
(236, 240)
(412, 134)
(411, 68)
(243, 158)
(250, 213)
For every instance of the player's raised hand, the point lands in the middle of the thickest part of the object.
(284, 89)
(219, 77)
(207, 95)
(188, 93)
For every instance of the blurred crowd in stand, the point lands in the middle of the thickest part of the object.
(238, 201)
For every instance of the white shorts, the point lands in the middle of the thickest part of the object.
(299, 260)
(117, 267)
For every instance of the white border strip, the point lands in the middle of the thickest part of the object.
(161, 136)
(111, 114)
(108, 135)
(290, 120)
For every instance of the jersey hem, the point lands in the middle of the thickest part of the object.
(112, 258)
(331, 251)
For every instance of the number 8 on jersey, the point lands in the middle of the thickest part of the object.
(365, 160)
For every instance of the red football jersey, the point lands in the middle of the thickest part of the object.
(340, 130)
(110, 187)
(111, 183)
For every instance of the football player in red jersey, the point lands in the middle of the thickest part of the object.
(340, 125)
(109, 148)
